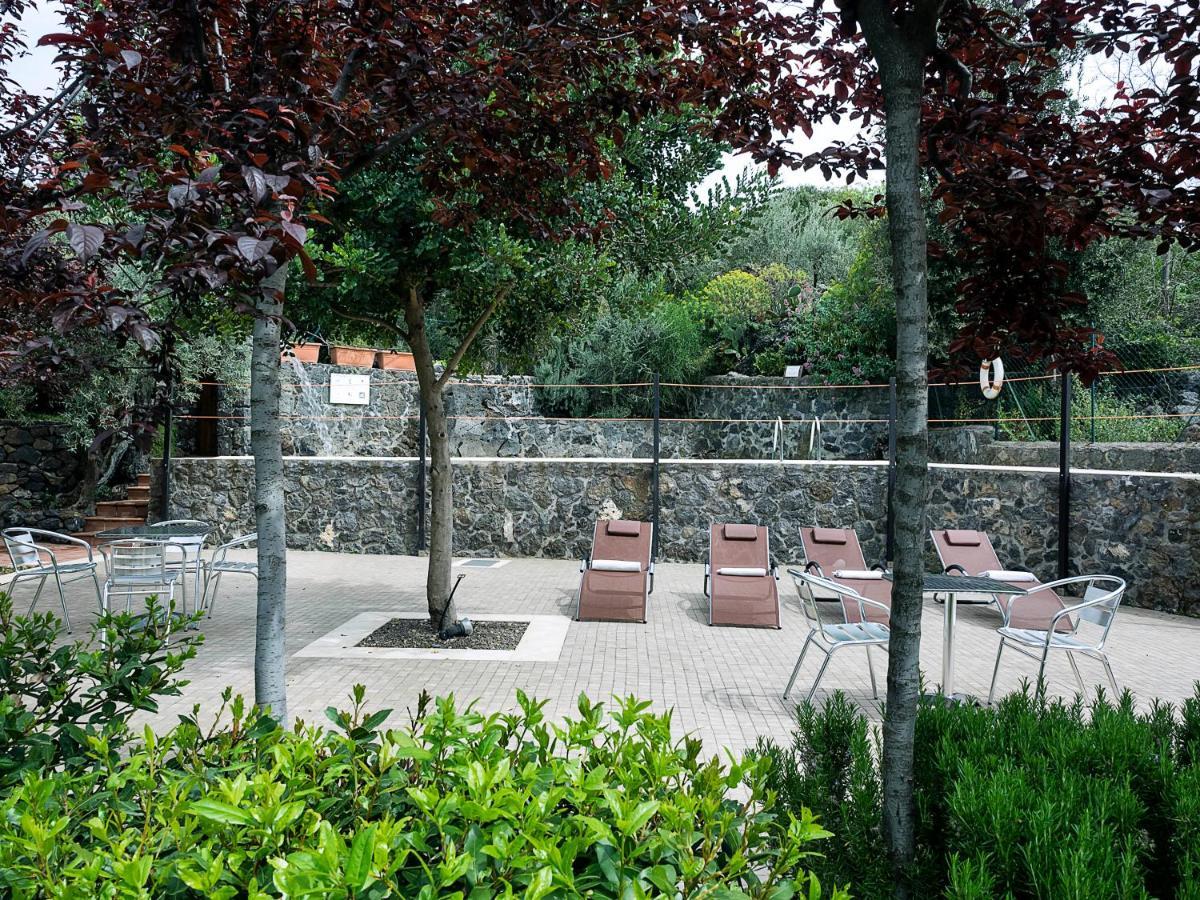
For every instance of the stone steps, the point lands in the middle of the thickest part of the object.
(125, 513)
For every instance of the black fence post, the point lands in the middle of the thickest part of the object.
(1064, 478)
(421, 439)
(656, 405)
(168, 439)
(1093, 392)
(890, 550)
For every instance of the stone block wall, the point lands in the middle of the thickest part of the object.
(977, 445)
(1143, 528)
(500, 416)
(37, 467)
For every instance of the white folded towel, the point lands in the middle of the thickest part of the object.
(617, 565)
(860, 574)
(1006, 575)
(749, 571)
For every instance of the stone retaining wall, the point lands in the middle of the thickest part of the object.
(500, 416)
(977, 445)
(37, 467)
(1144, 528)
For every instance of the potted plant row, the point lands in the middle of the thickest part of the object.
(346, 354)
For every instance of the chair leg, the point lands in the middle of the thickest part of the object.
(820, 674)
(211, 594)
(1111, 678)
(1041, 680)
(62, 601)
(1078, 676)
(36, 594)
(871, 669)
(995, 672)
(99, 593)
(799, 662)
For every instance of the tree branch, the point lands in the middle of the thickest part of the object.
(372, 320)
(472, 334)
(43, 109)
(50, 122)
(338, 94)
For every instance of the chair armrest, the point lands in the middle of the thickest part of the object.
(810, 566)
(864, 602)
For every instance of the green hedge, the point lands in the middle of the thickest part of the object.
(1032, 798)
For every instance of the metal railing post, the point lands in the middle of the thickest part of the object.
(1064, 478)
(656, 404)
(421, 440)
(168, 439)
(890, 549)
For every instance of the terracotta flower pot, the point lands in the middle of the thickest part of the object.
(351, 356)
(387, 359)
(305, 353)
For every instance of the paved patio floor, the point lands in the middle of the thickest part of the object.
(724, 684)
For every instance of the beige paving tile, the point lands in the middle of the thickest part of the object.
(724, 684)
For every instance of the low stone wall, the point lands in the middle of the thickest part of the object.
(37, 467)
(977, 445)
(1143, 528)
(500, 416)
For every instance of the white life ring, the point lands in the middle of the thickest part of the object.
(991, 377)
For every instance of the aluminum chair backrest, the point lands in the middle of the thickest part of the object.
(137, 559)
(805, 585)
(1105, 601)
(19, 544)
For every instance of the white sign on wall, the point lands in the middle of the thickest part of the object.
(352, 389)
(791, 372)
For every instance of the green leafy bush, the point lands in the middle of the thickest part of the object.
(622, 349)
(1032, 798)
(56, 699)
(459, 804)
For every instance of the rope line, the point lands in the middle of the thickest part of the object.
(1115, 373)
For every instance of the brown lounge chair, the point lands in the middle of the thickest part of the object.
(619, 574)
(744, 583)
(836, 555)
(971, 553)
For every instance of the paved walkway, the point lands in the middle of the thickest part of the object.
(725, 684)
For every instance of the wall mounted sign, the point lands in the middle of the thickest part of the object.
(351, 389)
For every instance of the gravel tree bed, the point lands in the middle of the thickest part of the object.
(417, 633)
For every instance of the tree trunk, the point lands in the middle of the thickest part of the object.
(441, 475)
(901, 55)
(270, 660)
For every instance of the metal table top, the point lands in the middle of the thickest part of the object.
(162, 532)
(936, 581)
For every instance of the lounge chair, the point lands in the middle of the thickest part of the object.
(618, 576)
(744, 582)
(834, 554)
(868, 629)
(971, 553)
(1096, 610)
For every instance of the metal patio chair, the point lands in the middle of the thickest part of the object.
(32, 559)
(1093, 615)
(857, 630)
(190, 558)
(139, 566)
(220, 565)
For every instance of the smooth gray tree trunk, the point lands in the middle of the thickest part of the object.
(441, 475)
(270, 660)
(901, 51)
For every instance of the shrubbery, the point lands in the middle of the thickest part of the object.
(457, 804)
(622, 349)
(1033, 798)
(57, 700)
